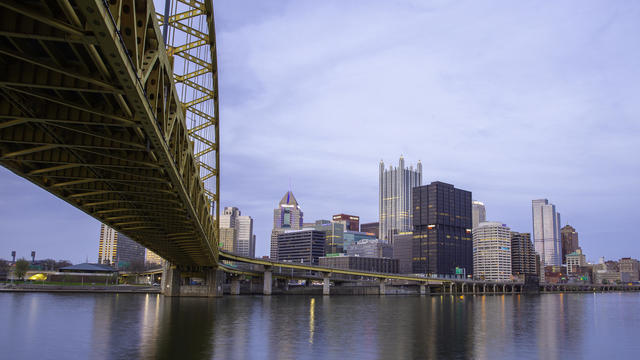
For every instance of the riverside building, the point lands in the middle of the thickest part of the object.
(395, 209)
(301, 246)
(546, 232)
(492, 251)
(523, 255)
(442, 230)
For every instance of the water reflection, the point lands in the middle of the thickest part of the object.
(299, 327)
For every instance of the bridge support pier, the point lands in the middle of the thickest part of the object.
(266, 289)
(235, 285)
(424, 289)
(171, 280)
(326, 285)
(383, 288)
(214, 278)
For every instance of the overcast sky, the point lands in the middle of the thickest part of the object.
(511, 100)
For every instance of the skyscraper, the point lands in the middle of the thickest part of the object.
(546, 232)
(395, 209)
(479, 213)
(442, 230)
(523, 254)
(288, 216)
(492, 251)
(570, 243)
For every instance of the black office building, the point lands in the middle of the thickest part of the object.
(302, 246)
(442, 230)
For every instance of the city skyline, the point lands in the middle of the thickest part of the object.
(576, 79)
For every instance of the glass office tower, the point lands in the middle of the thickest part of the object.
(395, 198)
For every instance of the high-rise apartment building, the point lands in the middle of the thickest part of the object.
(492, 251)
(107, 248)
(523, 254)
(288, 216)
(442, 230)
(395, 209)
(570, 243)
(371, 228)
(478, 214)
(118, 250)
(546, 232)
(351, 222)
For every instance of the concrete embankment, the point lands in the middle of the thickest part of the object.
(130, 289)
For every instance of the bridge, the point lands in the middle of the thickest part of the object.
(113, 108)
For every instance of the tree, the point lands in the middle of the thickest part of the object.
(22, 266)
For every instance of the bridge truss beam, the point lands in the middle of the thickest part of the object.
(89, 111)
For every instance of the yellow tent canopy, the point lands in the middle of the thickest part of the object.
(38, 277)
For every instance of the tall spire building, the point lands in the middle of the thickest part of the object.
(395, 208)
(288, 216)
(546, 232)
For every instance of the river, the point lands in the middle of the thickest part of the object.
(138, 326)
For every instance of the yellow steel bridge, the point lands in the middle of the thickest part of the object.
(99, 109)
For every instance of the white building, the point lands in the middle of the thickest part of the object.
(546, 232)
(245, 242)
(492, 251)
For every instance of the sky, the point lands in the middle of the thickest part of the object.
(512, 101)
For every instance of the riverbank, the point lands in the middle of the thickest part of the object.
(130, 289)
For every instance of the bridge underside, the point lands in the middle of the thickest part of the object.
(89, 112)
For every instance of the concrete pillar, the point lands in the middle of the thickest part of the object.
(383, 289)
(451, 288)
(266, 289)
(214, 280)
(484, 288)
(513, 288)
(504, 288)
(171, 280)
(473, 288)
(495, 288)
(235, 285)
(326, 285)
(423, 289)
